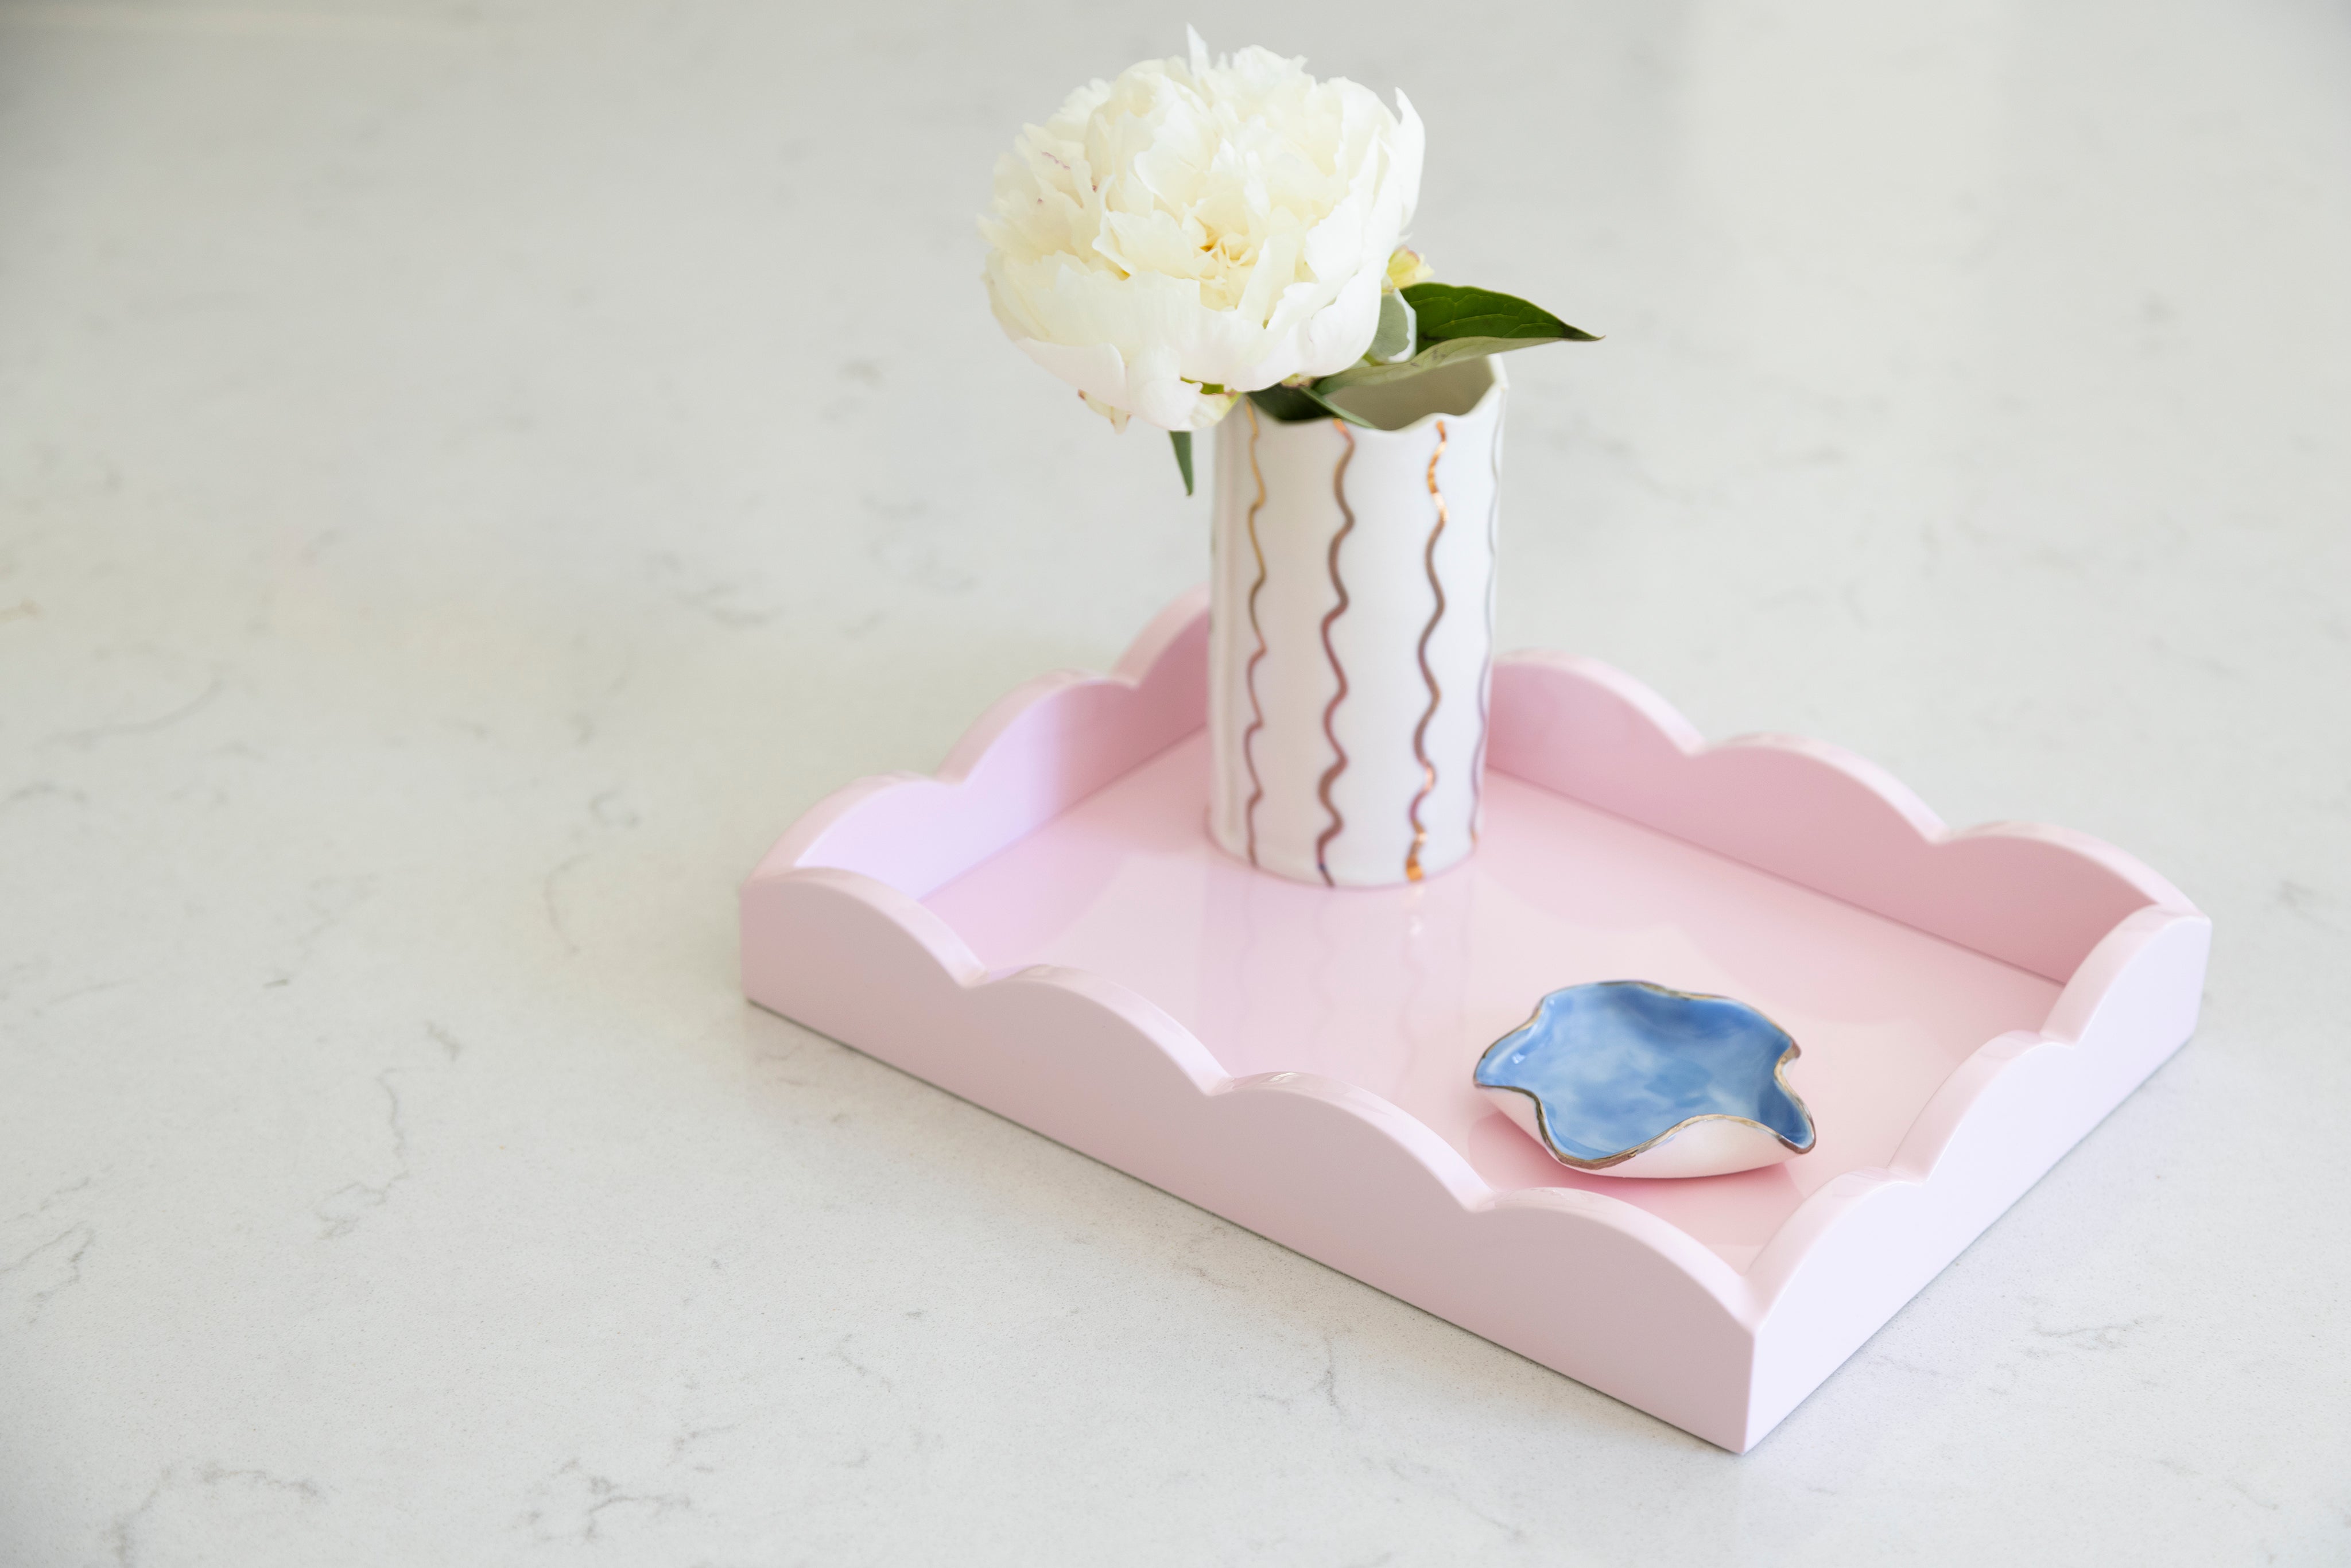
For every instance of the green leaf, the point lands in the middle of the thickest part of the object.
(1455, 324)
(1290, 405)
(1447, 310)
(1302, 406)
(1183, 440)
(1428, 359)
(1396, 337)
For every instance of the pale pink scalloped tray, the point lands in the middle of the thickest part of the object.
(1046, 929)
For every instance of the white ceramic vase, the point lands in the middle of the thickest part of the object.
(1351, 631)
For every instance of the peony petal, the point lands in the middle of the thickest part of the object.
(1405, 156)
(1200, 220)
(1339, 334)
(1161, 395)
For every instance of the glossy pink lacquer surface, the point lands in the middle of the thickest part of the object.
(1399, 989)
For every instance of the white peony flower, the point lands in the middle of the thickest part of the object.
(1196, 223)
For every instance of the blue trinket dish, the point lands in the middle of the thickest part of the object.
(1623, 1078)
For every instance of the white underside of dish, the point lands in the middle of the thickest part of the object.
(1704, 1145)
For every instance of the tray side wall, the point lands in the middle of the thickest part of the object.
(1586, 1285)
(2038, 897)
(1037, 752)
(1845, 1266)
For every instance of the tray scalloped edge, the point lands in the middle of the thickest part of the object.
(836, 937)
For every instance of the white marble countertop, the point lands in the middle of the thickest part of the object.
(469, 475)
